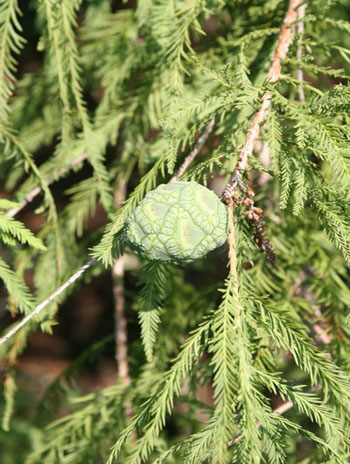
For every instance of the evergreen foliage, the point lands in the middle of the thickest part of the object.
(121, 96)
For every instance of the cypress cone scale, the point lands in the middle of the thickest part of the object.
(179, 221)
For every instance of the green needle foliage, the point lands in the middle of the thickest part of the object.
(154, 277)
(119, 95)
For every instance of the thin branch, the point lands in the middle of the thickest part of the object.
(302, 290)
(300, 30)
(48, 300)
(231, 244)
(284, 42)
(264, 156)
(120, 328)
(284, 407)
(191, 156)
(35, 192)
(324, 336)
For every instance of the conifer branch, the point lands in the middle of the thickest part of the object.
(287, 405)
(35, 192)
(284, 42)
(11, 42)
(152, 415)
(249, 400)
(48, 300)
(56, 40)
(28, 161)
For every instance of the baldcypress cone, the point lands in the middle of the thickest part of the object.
(179, 222)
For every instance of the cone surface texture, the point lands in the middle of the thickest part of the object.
(179, 221)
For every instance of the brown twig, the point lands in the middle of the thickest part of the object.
(231, 244)
(191, 156)
(255, 217)
(300, 30)
(35, 192)
(284, 407)
(120, 328)
(264, 154)
(278, 411)
(324, 336)
(302, 290)
(284, 41)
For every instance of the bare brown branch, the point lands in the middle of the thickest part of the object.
(301, 289)
(231, 244)
(278, 411)
(300, 30)
(284, 407)
(120, 328)
(191, 156)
